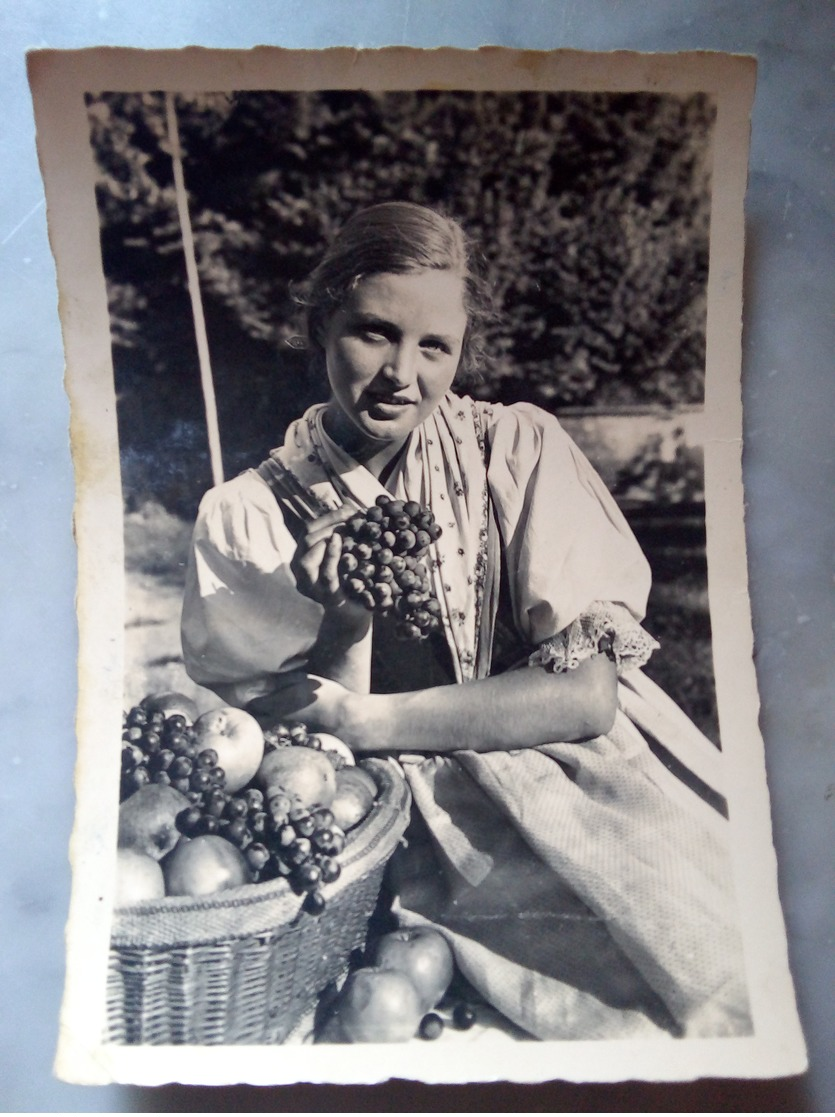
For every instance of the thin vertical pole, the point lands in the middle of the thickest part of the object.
(206, 380)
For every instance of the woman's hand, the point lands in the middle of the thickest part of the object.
(316, 701)
(342, 651)
(315, 567)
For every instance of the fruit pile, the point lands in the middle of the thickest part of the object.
(382, 565)
(217, 803)
(164, 750)
(405, 990)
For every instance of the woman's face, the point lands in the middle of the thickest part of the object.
(392, 350)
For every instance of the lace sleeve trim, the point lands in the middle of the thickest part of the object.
(604, 627)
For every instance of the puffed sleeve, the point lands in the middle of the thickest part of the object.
(243, 620)
(568, 546)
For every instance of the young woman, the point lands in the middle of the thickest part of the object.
(585, 891)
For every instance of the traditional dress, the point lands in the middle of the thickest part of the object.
(585, 890)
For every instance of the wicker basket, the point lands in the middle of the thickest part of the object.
(246, 965)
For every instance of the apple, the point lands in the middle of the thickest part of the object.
(147, 820)
(335, 745)
(376, 1005)
(203, 866)
(138, 877)
(299, 772)
(237, 739)
(170, 702)
(423, 955)
(355, 795)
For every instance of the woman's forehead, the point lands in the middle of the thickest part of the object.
(425, 294)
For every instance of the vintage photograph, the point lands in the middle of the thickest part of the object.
(420, 742)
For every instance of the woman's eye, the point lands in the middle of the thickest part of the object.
(433, 345)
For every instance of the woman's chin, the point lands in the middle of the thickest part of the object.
(385, 424)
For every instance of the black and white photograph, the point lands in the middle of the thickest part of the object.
(414, 726)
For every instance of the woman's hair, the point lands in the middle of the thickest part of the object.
(398, 237)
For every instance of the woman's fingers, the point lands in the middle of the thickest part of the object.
(322, 527)
(328, 571)
(316, 569)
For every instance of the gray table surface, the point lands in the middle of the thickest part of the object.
(788, 470)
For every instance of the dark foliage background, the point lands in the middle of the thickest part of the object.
(592, 211)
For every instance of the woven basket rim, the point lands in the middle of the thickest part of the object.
(371, 841)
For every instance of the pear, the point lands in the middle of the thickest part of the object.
(300, 773)
(138, 878)
(355, 795)
(147, 820)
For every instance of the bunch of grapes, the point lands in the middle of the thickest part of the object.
(302, 846)
(160, 749)
(382, 565)
(294, 733)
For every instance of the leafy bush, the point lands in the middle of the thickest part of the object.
(592, 211)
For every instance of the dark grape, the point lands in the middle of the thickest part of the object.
(307, 876)
(298, 851)
(328, 841)
(137, 716)
(176, 723)
(132, 756)
(161, 777)
(322, 817)
(178, 742)
(314, 903)
(207, 759)
(431, 1026)
(323, 840)
(181, 768)
(161, 761)
(151, 741)
(257, 856)
(463, 1016)
(215, 802)
(208, 825)
(330, 868)
(134, 733)
(238, 833)
(302, 822)
(188, 821)
(254, 798)
(217, 776)
(200, 780)
(139, 777)
(236, 808)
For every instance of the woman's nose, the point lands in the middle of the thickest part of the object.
(399, 367)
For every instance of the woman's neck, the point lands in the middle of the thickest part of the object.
(379, 458)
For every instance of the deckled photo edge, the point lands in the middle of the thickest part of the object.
(63, 139)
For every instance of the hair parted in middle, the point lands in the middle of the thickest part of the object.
(398, 238)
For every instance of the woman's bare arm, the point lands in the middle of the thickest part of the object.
(520, 709)
(342, 651)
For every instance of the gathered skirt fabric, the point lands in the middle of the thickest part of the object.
(586, 891)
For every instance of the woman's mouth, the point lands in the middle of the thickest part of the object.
(389, 402)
